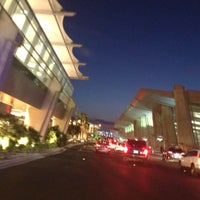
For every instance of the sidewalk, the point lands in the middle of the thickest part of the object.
(14, 159)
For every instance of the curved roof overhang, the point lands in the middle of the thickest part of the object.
(50, 15)
(143, 104)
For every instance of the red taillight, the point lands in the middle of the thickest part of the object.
(170, 152)
(108, 146)
(145, 152)
(125, 149)
(98, 145)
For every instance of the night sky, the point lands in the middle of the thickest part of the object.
(129, 45)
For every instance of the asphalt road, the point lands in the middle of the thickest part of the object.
(79, 173)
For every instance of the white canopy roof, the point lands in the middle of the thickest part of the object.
(50, 16)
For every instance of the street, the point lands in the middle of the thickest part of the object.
(81, 173)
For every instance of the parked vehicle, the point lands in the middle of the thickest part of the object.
(190, 161)
(174, 153)
(136, 150)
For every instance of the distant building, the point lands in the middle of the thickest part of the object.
(37, 63)
(163, 118)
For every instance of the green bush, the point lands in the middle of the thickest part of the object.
(54, 134)
(14, 129)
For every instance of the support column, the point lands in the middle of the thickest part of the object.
(139, 129)
(135, 124)
(183, 118)
(157, 121)
(68, 117)
(40, 118)
(168, 126)
(10, 39)
(64, 122)
(158, 128)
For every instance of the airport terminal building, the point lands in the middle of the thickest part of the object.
(163, 118)
(37, 63)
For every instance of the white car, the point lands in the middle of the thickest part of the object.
(102, 146)
(191, 161)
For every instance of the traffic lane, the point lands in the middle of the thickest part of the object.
(152, 180)
(153, 174)
(80, 173)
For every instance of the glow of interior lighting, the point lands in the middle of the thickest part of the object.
(51, 66)
(43, 65)
(39, 47)
(38, 73)
(53, 121)
(31, 65)
(17, 113)
(196, 122)
(24, 12)
(196, 114)
(19, 19)
(26, 119)
(21, 53)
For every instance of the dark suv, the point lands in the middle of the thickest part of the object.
(136, 150)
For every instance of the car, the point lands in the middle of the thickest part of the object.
(190, 161)
(102, 146)
(173, 153)
(136, 150)
(113, 143)
(120, 147)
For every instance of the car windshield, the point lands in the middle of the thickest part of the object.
(192, 153)
(176, 150)
(137, 143)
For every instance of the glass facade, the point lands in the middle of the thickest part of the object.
(36, 53)
(195, 115)
(129, 128)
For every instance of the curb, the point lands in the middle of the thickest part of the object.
(22, 158)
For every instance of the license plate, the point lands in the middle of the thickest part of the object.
(135, 151)
(176, 155)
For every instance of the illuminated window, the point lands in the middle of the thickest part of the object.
(143, 121)
(129, 128)
(36, 53)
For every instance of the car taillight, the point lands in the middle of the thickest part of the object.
(108, 146)
(198, 160)
(125, 149)
(145, 152)
(111, 145)
(170, 152)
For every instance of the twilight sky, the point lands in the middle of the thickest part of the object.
(129, 45)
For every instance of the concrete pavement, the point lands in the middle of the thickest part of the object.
(14, 159)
